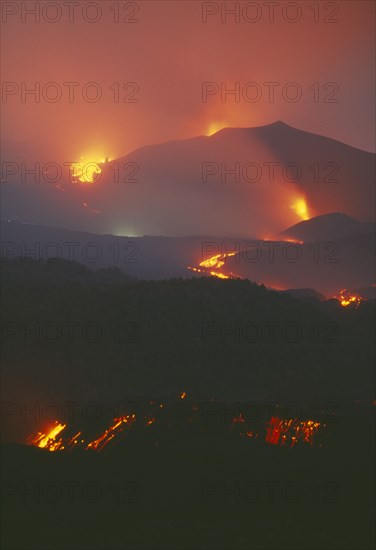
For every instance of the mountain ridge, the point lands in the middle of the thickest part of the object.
(235, 182)
(334, 225)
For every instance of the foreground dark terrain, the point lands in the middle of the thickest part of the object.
(214, 384)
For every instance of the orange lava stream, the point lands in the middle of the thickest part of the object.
(48, 440)
(280, 431)
(346, 298)
(119, 425)
(216, 262)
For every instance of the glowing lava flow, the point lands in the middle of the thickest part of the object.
(346, 298)
(282, 432)
(294, 241)
(87, 171)
(118, 426)
(279, 431)
(216, 262)
(48, 441)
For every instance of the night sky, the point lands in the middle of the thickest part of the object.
(169, 51)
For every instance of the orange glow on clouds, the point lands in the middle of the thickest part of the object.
(214, 127)
(301, 209)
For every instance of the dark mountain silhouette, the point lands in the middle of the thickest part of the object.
(58, 271)
(326, 265)
(183, 331)
(304, 294)
(328, 226)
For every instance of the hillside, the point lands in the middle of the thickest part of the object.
(239, 182)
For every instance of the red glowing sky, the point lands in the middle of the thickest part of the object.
(169, 53)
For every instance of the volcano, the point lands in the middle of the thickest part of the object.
(328, 226)
(239, 182)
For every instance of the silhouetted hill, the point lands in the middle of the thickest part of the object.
(304, 294)
(60, 271)
(328, 227)
(326, 265)
(206, 336)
